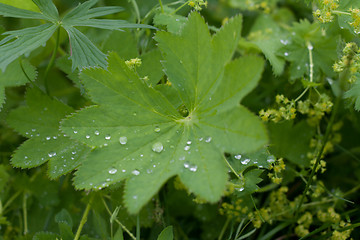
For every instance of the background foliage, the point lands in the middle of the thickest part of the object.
(122, 119)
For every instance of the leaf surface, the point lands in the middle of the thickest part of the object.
(139, 135)
(39, 121)
(14, 76)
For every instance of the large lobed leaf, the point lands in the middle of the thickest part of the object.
(138, 134)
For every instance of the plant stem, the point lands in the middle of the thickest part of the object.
(52, 60)
(184, 4)
(118, 222)
(310, 48)
(137, 12)
(161, 6)
(138, 227)
(84, 218)
(318, 157)
(224, 228)
(25, 214)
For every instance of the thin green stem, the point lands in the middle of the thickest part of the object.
(137, 12)
(161, 6)
(52, 60)
(184, 4)
(311, 61)
(118, 222)
(24, 206)
(233, 170)
(302, 94)
(341, 12)
(13, 197)
(138, 227)
(224, 229)
(318, 157)
(23, 70)
(84, 218)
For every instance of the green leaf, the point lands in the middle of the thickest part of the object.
(48, 9)
(269, 37)
(166, 234)
(64, 221)
(83, 52)
(291, 141)
(116, 42)
(13, 11)
(22, 4)
(173, 22)
(141, 135)
(151, 67)
(39, 121)
(354, 93)
(14, 76)
(26, 40)
(323, 49)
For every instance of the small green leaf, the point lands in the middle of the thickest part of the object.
(40, 122)
(14, 76)
(166, 234)
(291, 141)
(354, 93)
(173, 22)
(151, 67)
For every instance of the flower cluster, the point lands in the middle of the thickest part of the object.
(197, 4)
(304, 222)
(350, 60)
(133, 63)
(355, 15)
(235, 211)
(278, 166)
(315, 110)
(325, 13)
(286, 110)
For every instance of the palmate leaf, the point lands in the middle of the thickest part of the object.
(139, 135)
(37, 122)
(84, 52)
(354, 93)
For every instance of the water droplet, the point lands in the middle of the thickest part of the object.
(123, 140)
(52, 154)
(112, 171)
(188, 142)
(107, 137)
(187, 148)
(73, 152)
(298, 67)
(48, 138)
(26, 157)
(182, 158)
(157, 147)
(123, 170)
(186, 165)
(238, 156)
(270, 159)
(134, 197)
(246, 161)
(149, 171)
(157, 129)
(87, 136)
(193, 168)
(135, 172)
(286, 54)
(241, 189)
(75, 132)
(208, 139)
(200, 139)
(284, 42)
(97, 133)
(55, 137)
